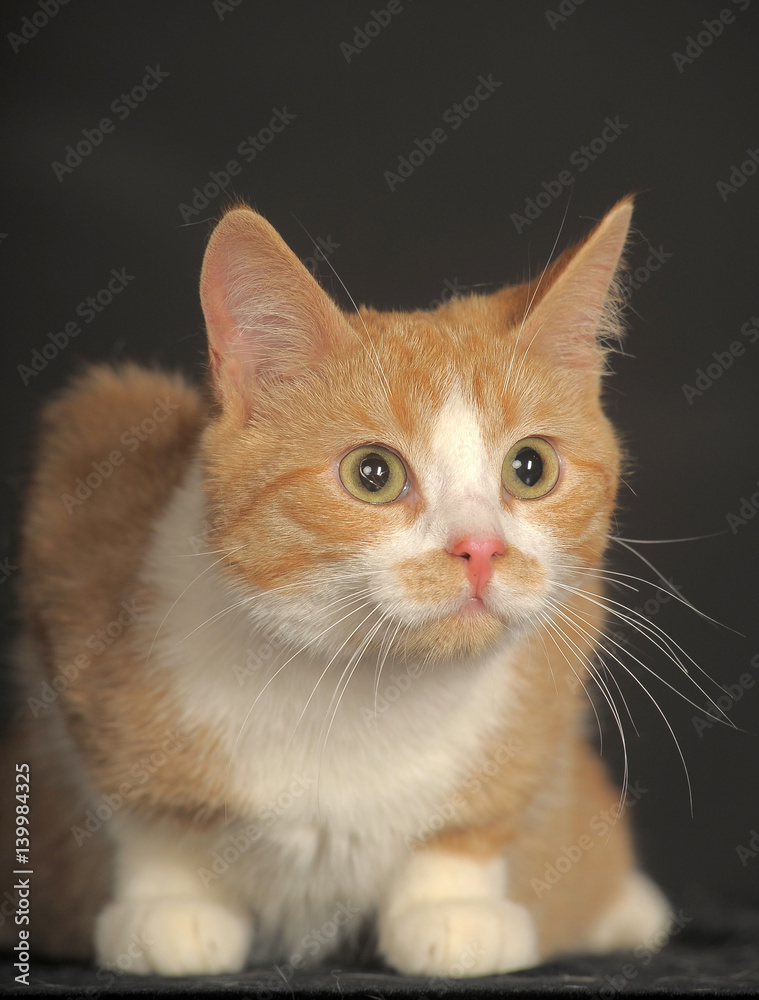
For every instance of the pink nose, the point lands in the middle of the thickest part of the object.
(479, 553)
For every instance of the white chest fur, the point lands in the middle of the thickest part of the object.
(335, 780)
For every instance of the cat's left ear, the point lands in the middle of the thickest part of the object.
(267, 317)
(579, 310)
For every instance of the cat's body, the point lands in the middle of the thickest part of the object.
(306, 702)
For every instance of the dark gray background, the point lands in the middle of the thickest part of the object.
(451, 221)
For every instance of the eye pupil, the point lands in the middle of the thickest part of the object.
(374, 472)
(528, 465)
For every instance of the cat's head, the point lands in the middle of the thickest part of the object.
(426, 481)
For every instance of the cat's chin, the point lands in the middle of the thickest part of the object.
(465, 634)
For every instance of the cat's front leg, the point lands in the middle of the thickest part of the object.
(161, 918)
(448, 914)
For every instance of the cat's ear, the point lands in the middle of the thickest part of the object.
(580, 308)
(266, 316)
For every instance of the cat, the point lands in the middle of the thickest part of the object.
(306, 653)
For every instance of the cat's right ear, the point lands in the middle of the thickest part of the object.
(266, 316)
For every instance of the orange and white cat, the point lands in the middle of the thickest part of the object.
(303, 653)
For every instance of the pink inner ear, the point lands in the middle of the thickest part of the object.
(265, 314)
(579, 309)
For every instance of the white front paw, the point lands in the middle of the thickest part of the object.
(173, 937)
(459, 938)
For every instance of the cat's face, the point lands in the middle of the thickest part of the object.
(427, 480)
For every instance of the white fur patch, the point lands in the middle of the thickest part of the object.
(448, 915)
(162, 920)
(460, 469)
(330, 795)
(641, 915)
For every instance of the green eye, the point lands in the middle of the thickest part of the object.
(531, 469)
(373, 474)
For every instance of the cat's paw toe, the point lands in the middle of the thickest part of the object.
(173, 937)
(460, 938)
